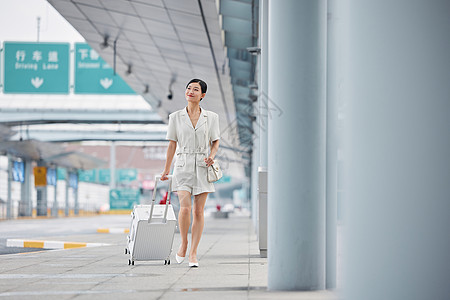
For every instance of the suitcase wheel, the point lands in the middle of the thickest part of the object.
(129, 262)
(167, 262)
(132, 262)
(126, 251)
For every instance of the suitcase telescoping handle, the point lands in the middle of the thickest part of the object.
(157, 178)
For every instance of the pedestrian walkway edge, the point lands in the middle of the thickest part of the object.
(49, 244)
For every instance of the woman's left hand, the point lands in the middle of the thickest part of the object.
(209, 161)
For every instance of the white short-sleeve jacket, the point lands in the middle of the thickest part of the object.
(193, 146)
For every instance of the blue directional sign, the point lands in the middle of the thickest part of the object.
(18, 171)
(36, 68)
(73, 180)
(51, 176)
(94, 76)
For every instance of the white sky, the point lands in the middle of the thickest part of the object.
(18, 22)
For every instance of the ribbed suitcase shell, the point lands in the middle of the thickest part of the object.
(151, 241)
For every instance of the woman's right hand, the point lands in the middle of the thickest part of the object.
(164, 176)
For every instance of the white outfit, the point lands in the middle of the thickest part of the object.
(190, 171)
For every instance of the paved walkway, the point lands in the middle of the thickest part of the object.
(230, 268)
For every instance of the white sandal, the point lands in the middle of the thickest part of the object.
(179, 259)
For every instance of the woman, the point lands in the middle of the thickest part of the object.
(196, 131)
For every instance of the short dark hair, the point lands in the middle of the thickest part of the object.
(203, 85)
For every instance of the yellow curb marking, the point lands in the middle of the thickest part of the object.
(33, 244)
(113, 230)
(74, 245)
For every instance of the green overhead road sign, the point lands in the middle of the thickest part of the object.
(104, 175)
(94, 76)
(87, 175)
(122, 175)
(127, 175)
(61, 173)
(36, 68)
(123, 198)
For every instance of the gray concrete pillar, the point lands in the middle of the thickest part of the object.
(254, 170)
(297, 121)
(263, 82)
(76, 206)
(55, 198)
(67, 208)
(41, 201)
(262, 213)
(9, 198)
(263, 102)
(397, 151)
(112, 165)
(334, 74)
(75, 195)
(25, 204)
(41, 196)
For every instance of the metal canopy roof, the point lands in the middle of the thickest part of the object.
(17, 116)
(17, 109)
(163, 43)
(56, 118)
(76, 160)
(239, 21)
(158, 46)
(50, 153)
(30, 149)
(5, 133)
(86, 132)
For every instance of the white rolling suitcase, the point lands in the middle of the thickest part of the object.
(152, 230)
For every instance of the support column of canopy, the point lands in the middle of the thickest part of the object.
(397, 152)
(297, 125)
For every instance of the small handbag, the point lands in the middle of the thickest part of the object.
(214, 172)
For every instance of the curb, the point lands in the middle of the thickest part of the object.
(49, 244)
(113, 230)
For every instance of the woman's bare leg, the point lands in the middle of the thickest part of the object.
(184, 220)
(197, 224)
